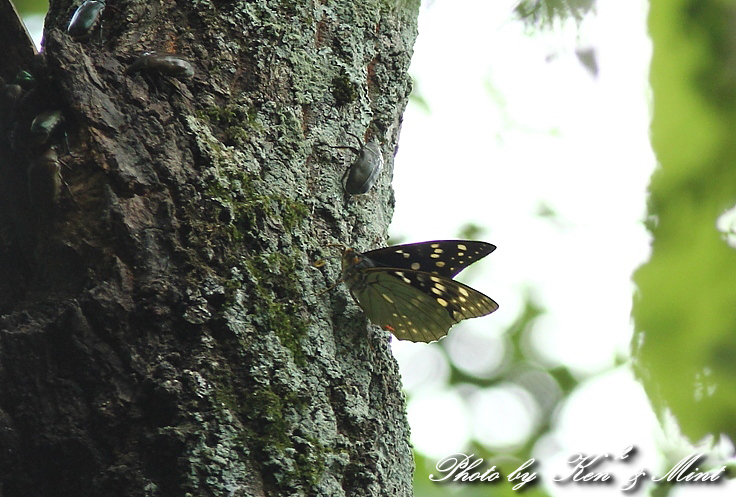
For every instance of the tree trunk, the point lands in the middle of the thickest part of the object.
(161, 327)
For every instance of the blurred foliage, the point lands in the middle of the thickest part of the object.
(523, 369)
(522, 366)
(396, 240)
(424, 487)
(416, 97)
(588, 57)
(28, 7)
(545, 14)
(685, 311)
(471, 231)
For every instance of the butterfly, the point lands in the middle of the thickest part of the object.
(409, 291)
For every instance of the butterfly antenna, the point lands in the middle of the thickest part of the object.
(321, 262)
(330, 288)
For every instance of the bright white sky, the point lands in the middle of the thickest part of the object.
(515, 123)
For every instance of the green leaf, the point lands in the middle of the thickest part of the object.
(685, 309)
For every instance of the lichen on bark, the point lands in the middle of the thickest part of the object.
(167, 337)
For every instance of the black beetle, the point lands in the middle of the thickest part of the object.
(45, 124)
(85, 18)
(363, 173)
(168, 64)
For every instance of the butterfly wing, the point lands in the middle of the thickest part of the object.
(442, 257)
(415, 305)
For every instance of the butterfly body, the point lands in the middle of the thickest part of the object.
(409, 290)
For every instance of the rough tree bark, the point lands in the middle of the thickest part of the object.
(161, 331)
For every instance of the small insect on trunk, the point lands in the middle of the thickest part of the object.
(364, 171)
(84, 20)
(167, 64)
(45, 125)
